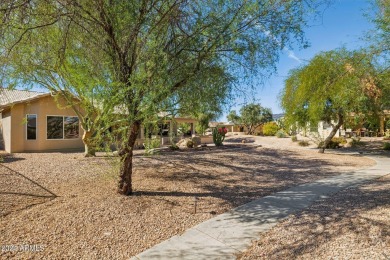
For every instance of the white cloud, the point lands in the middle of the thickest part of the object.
(292, 55)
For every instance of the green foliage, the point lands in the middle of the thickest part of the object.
(386, 146)
(334, 85)
(270, 128)
(196, 140)
(251, 115)
(356, 142)
(294, 138)
(190, 144)
(219, 135)
(281, 134)
(174, 147)
(203, 122)
(387, 135)
(333, 144)
(303, 143)
(150, 144)
(340, 140)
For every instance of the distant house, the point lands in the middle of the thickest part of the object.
(234, 128)
(323, 129)
(32, 121)
(240, 128)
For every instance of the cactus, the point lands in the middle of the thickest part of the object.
(219, 135)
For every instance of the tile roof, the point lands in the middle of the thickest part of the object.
(9, 97)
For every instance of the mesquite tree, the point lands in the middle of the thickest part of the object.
(150, 50)
(251, 116)
(333, 86)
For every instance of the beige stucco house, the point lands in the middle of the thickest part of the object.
(32, 121)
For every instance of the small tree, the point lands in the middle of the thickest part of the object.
(252, 116)
(333, 86)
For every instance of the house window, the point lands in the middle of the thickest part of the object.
(62, 127)
(31, 127)
(71, 127)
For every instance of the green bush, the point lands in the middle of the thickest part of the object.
(190, 144)
(281, 134)
(294, 138)
(303, 143)
(386, 146)
(340, 140)
(331, 145)
(270, 129)
(151, 144)
(174, 147)
(196, 140)
(356, 141)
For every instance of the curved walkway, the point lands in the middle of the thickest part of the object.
(228, 234)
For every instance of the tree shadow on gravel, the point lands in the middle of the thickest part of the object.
(356, 220)
(18, 192)
(255, 173)
(8, 158)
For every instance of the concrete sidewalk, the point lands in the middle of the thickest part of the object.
(230, 233)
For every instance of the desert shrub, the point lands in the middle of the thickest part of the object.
(196, 140)
(281, 134)
(331, 145)
(294, 138)
(174, 147)
(334, 143)
(386, 146)
(387, 134)
(356, 141)
(190, 144)
(270, 128)
(303, 143)
(340, 140)
(151, 144)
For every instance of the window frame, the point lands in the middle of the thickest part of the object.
(36, 127)
(63, 128)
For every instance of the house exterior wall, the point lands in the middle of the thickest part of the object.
(43, 107)
(6, 129)
(1, 133)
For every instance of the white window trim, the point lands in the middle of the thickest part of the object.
(63, 129)
(36, 127)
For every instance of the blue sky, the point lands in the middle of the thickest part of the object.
(343, 24)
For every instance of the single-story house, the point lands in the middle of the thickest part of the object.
(32, 121)
(323, 129)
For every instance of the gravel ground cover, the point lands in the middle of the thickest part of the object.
(352, 224)
(64, 206)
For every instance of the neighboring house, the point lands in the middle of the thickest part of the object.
(32, 121)
(323, 129)
(234, 128)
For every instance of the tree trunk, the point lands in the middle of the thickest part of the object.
(126, 169)
(249, 127)
(89, 147)
(332, 133)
